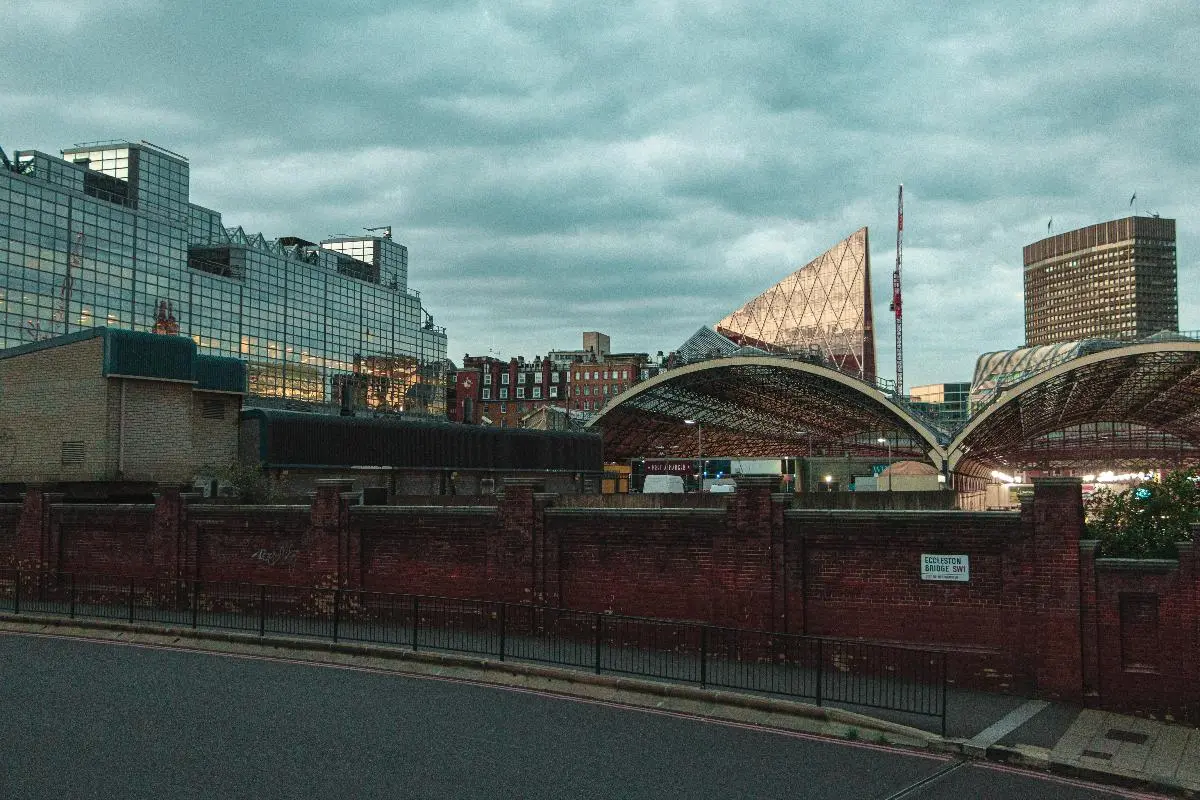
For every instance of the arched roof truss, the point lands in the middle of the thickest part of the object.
(760, 406)
(1135, 404)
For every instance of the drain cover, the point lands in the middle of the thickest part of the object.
(1097, 754)
(1119, 735)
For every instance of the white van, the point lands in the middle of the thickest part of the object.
(663, 484)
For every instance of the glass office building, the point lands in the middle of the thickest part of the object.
(105, 235)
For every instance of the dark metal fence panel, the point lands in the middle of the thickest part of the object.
(824, 670)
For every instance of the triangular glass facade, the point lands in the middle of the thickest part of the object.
(823, 308)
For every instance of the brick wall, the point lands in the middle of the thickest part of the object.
(49, 397)
(441, 549)
(214, 439)
(10, 517)
(157, 446)
(1039, 613)
(1144, 620)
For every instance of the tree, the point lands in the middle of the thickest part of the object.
(1146, 520)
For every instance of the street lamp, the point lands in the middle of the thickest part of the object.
(888, 442)
(699, 451)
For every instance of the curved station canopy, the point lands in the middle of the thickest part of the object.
(759, 406)
(1128, 406)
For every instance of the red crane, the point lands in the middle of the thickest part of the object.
(897, 307)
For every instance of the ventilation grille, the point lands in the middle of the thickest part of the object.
(212, 408)
(72, 453)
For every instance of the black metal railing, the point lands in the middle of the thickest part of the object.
(824, 670)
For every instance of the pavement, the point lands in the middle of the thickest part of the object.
(1138, 755)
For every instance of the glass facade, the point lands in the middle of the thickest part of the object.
(823, 308)
(105, 235)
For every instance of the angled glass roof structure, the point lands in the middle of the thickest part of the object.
(822, 309)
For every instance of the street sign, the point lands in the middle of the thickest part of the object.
(942, 567)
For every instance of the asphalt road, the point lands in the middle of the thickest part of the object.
(83, 719)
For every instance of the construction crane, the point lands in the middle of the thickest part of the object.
(897, 306)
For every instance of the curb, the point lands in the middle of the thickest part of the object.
(1039, 759)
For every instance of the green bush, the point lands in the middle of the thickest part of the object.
(1146, 520)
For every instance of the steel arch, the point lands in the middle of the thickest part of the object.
(1136, 402)
(766, 406)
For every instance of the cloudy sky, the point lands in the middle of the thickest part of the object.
(644, 168)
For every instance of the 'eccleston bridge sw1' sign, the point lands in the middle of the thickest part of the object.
(939, 567)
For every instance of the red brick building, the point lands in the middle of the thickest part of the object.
(491, 391)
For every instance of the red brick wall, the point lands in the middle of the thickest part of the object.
(102, 539)
(434, 550)
(1146, 627)
(10, 517)
(1040, 612)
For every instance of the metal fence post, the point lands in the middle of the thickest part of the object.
(416, 615)
(703, 655)
(17, 594)
(943, 695)
(131, 580)
(72, 595)
(599, 624)
(503, 626)
(195, 604)
(262, 610)
(820, 670)
(337, 609)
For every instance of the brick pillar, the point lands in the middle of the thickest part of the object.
(743, 568)
(511, 569)
(33, 531)
(546, 591)
(1189, 624)
(166, 534)
(1057, 525)
(781, 601)
(1089, 620)
(325, 549)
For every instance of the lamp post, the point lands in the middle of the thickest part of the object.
(888, 442)
(699, 452)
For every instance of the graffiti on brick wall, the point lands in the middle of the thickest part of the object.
(282, 556)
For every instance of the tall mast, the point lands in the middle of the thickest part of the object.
(897, 306)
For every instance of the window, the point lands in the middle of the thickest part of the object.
(587, 390)
(537, 393)
(576, 374)
(553, 392)
(487, 379)
(624, 374)
(521, 392)
(504, 378)
(487, 394)
(614, 388)
(606, 390)
(587, 405)
(554, 377)
(504, 393)
(503, 407)
(605, 374)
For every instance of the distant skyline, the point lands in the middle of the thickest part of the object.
(645, 168)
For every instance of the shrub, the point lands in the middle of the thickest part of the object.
(1146, 520)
